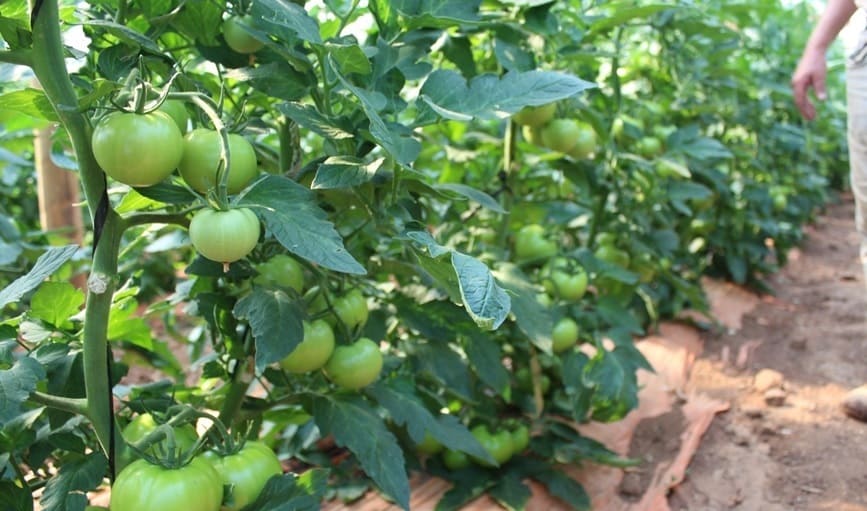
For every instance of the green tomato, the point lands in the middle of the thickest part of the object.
(612, 255)
(355, 366)
(224, 236)
(644, 266)
(568, 285)
(282, 271)
(429, 445)
(532, 135)
(455, 460)
(177, 110)
(585, 142)
(201, 160)
(137, 149)
(520, 438)
(498, 445)
(531, 243)
(141, 425)
(606, 238)
(535, 116)
(237, 37)
(525, 380)
(561, 135)
(700, 226)
(565, 335)
(142, 486)
(649, 147)
(351, 309)
(246, 472)
(313, 351)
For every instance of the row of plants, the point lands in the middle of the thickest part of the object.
(349, 240)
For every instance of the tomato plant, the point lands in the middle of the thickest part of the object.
(137, 149)
(389, 207)
(147, 487)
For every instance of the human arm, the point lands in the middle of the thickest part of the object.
(812, 68)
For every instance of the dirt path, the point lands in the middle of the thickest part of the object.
(803, 454)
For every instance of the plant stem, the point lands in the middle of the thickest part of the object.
(77, 406)
(156, 218)
(506, 178)
(50, 69)
(19, 57)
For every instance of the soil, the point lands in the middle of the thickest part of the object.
(784, 444)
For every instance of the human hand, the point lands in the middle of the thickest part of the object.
(812, 72)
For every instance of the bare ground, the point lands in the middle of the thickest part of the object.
(803, 453)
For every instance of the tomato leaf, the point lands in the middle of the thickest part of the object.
(440, 361)
(292, 493)
(12, 496)
(438, 13)
(298, 223)
(49, 262)
(285, 21)
(398, 397)
(450, 96)
(510, 493)
(485, 301)
(473, 482)
(568, 490)
(66, 490)
(395, 138)
(308, 117)
(486, 359)
(357, 426)
(16, 384)
(30, 102)
(533, 318)
(55, 302)
(344, 172)
(478, 196)
(276, 323)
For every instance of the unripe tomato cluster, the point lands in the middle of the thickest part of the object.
(198, 485)
(350, 366)
(501, 444)
(160, 147)
(568, 136)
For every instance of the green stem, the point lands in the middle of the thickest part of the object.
(235, 395)
(76, 406)
(19, 57)
(506, 178)
(156, 218)
(50, 69)
(287, 147)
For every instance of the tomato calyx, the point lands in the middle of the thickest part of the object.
(170, 443)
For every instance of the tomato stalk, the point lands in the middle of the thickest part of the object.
(536, 375)
(50, 69)
(509, 139)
